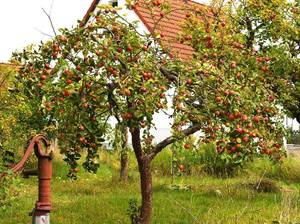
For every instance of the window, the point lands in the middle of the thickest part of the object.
(114, 3)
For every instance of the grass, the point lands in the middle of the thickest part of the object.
(102, 199)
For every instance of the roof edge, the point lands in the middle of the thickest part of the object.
(90, 10)
(96, 2)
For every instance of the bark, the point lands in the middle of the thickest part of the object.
(146, 191)
(144, 163)
(124, 167)
(124, 161)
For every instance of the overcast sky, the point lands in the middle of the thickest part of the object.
(23, 21)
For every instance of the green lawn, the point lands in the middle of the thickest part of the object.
(103, 199)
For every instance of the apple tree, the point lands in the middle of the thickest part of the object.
(273, 27)
(105, 69)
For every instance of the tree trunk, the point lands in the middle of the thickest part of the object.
(146, 190)
(144, 163)
(124, 166)
(124, 161)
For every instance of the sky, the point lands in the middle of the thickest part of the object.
(23, 22)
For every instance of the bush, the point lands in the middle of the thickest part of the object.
(293, 137)
(111, 159)
(288, 170)
(133, 211)
(9, 190)
(213, 164)
(195, 160)
(162, 164)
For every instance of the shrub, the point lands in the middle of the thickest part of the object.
(288, 170)
(9, 189)
(293, 136)
(213, 164)
(133, 211)
(195, 160)
(111, 159)
(162, 164)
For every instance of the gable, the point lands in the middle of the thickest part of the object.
(169, 26)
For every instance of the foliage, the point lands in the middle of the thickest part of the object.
(236, 83)
(213, 164)
(104, 70)
(9, 191)
(89, 74)
(10, 185)
(94, 80)
(13, 112)
(133, 211)
(162, 164)
(273, 25)
(293, 136)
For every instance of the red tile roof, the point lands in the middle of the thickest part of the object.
(169, 26)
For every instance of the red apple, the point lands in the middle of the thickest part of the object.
(81, 128)
(127, 92)
(186, 146)
(231, 117)
(245, 139)
(78, 67)
(244, 117)
(181, 167)
(69, 81)
(66, 93)
(218, 99)
(43, 77)
(189, 81)
(256, 119)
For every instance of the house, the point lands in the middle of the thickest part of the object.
(169, 25)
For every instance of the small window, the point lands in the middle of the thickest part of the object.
(114, 3)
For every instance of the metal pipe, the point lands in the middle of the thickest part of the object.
(41, 212)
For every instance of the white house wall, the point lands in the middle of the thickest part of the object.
(129, 14)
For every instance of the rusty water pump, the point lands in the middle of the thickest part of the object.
(41, 211)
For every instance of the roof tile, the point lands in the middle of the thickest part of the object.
(170, 25)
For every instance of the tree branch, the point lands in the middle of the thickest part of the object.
(171, 76)
(160, 146)
(49, 17)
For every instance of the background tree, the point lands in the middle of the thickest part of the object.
(14, 132)
(273, 27)
(121, 146)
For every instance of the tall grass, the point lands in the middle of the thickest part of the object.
(287, 171)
